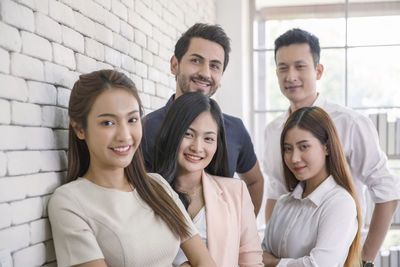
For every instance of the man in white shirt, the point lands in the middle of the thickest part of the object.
(297, 54)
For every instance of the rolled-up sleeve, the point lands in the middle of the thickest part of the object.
(368, 162)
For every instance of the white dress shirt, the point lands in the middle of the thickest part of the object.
(367, 162)
(314, 231)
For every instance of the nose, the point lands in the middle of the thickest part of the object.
(123, 132)
(291, 75)
(196, 145)
(204, 70)
(295, 156)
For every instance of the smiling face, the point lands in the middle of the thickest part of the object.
(198, 145)
(114, 130)
(305, 156)
(200, 69)
(297, 74)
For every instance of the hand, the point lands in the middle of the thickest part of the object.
(185, 264)
(270, 260)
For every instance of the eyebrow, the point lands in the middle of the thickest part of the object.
(297, 143)
(296, 62)
(114, 116)
(212, 60)
(209, 132)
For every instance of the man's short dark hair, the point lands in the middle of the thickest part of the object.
(209, 32)
(299, 36)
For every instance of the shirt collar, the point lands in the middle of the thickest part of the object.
(320, 101)
(169, 103)
(319, 194)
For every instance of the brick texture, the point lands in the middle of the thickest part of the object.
(48, 44)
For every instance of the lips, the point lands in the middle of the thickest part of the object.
(202, 83)
(121, 150)
(192, 158)
(298, 169)
(292, 87)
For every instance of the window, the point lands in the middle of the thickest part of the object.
(360, 51)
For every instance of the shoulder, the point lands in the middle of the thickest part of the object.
(65, 195)
(277, 123)
(155, 116)
(159, 179)
(233, 122)
(227, 184)
(340, 199)
(342, 115)
(68, 188)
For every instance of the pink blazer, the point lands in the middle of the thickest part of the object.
(232, 237)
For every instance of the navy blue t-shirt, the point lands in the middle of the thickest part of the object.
(241, 155)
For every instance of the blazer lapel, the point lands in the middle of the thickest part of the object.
(217, 214)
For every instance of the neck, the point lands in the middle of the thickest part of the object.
(301, 104)
(311, 185)
(114, 179)
(188, 181)
(178, 92)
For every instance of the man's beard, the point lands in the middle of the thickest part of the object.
(184, 83)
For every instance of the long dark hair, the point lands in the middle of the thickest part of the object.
(83, 94)
(319, 123)
(179, 117)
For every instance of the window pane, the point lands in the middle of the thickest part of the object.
(267, 94)
(373, 76)
(261, 121)
(332, 83)
(373, 30)
(329, 31)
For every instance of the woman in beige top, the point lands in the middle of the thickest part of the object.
(111, 212)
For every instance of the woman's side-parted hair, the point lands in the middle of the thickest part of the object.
(83, 95)
(183, 111)
(320, 124)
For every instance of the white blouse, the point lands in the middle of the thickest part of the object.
(201, 225)
(314, 231)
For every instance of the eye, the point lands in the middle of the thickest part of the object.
(304, 147)
(300, 66)
(195, 60)
(188, 135)
(287, 149)
(209, 139)
(215, 66)
(282, 69)
(107, 123)
(133, 120)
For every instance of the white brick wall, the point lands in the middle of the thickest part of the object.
(36, 46)
(47, 27)
(5, 112)
(13, 41)
(26, 67)
(42, 93)
(30, 256)
(49, 44)
(4, 61)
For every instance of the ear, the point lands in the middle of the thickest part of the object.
(80, 133)
(326, 150)
(174, 65)
(319, 69)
